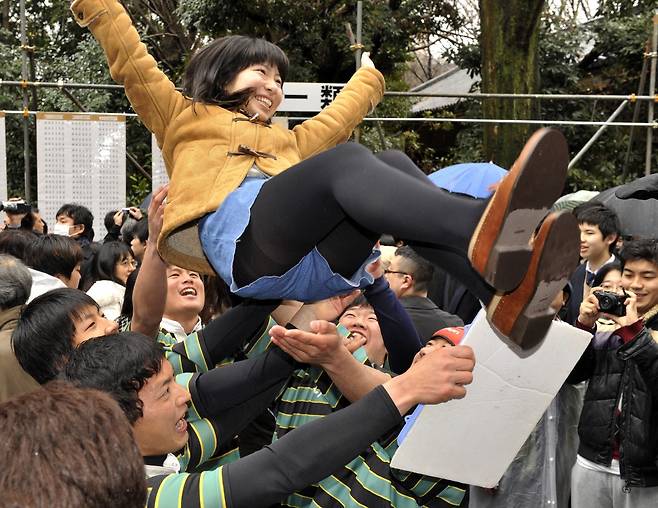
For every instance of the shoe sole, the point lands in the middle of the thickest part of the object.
(524, 315)
(499, 249)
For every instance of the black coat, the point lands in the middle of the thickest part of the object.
(628, 370)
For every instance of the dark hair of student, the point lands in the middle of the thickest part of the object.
(80, 215)
(69, 447)
(53, 254)
(43, 338)
(106, 259)
(605, 270)
(140, 231)
(214, 66)
(599, 215)
(645, 249)
(14, 242)
(359, 301)
(119, 365)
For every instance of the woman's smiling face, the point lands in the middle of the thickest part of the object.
(267, 84)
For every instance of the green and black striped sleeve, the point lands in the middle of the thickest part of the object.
(300, 458)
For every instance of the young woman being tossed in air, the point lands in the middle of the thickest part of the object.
(281, 213)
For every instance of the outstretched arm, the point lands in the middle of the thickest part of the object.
(316, 449)
(151, 94)
(150, 292)
(334, 124)
(398, 331)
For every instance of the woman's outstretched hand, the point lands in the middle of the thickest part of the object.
(365, 60)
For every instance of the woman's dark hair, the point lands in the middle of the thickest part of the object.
(106, 259)
(214, 66)
(605, 270)
(54, 255)
(43, 338)
(80, 444)
(118, 364)
(127, 306)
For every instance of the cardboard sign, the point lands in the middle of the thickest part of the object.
(474, 440)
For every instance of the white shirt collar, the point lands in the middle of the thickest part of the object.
(610, 260)
(176, 329)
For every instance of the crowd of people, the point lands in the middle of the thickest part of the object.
(216, 390)
(244, 343)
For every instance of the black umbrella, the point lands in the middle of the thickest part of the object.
(642, 188)
(638, 217)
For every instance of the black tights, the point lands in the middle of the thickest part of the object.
(341, 201)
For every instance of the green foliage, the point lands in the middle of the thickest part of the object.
(604, 56)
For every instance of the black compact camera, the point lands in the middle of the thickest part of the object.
(611, 303)
(16, 207)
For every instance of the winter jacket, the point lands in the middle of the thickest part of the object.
(628, 370)
(208, 150)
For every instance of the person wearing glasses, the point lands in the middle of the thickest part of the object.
(113, 263)
(409, 276)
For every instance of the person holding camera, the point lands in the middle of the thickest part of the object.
(617, 463)
(15, 209)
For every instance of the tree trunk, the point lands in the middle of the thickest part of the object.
(509, 36)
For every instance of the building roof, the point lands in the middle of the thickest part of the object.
(455, 80)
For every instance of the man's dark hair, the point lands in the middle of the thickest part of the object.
(119, 365)
(43, 338)
(599, 215)
(14, 242)
(213, 67)
(106, 259)
(140, 231)
(80, 215)
(54, 255)
(69, 447)
(108, 221)
(633, 250)
(417, 266)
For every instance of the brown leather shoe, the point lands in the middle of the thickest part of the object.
(499, 249)
(524, 315)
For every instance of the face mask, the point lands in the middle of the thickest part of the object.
(61, 229)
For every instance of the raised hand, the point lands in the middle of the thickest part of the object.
(438, 376)
(321, 346)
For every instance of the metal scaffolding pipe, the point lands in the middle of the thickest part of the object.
(653, 125)
(597, 134)
(26, 103)
(652, 91)
(475, 96)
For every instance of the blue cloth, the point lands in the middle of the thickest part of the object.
(473, 178)
(309, 280)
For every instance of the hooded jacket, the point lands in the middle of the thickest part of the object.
(628, 370)
(208, 150)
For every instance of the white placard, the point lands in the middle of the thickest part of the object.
(3, 160)
(158, 170)
(81, 159)
(474, 440)
(308, 97)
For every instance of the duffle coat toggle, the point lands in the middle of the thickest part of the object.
(245, 150)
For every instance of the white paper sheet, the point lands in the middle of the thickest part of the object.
(81, 158)
(473, 440)
(158, 170)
